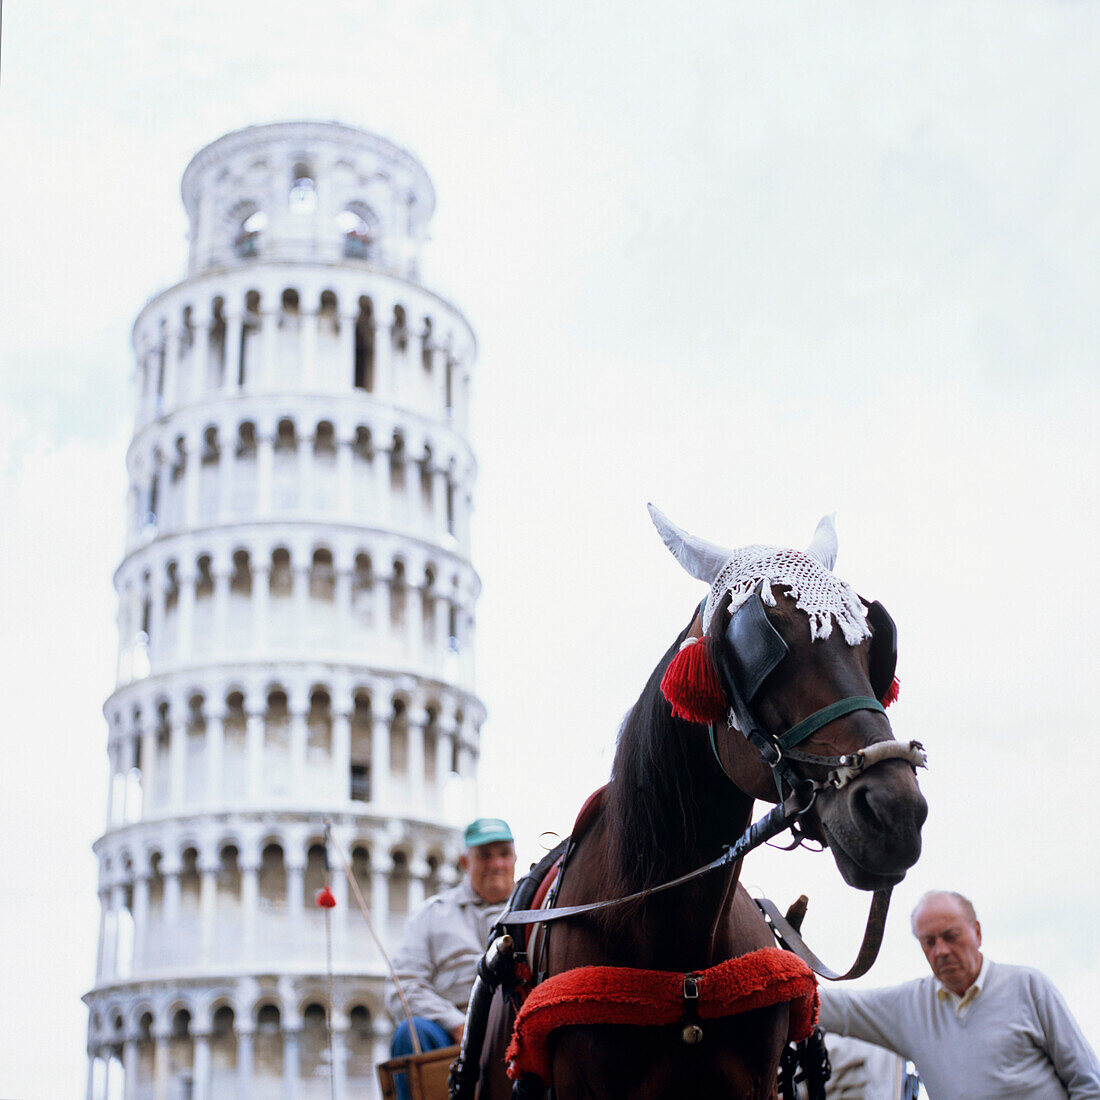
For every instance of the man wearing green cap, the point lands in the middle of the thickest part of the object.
(436, 960)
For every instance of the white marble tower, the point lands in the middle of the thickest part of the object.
(295, 619)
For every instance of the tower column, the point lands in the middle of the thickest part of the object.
(342, 597)
(261, 599)
(380, 871)
(418, 873)
(161, 1062)
(130, 1088)
(250, 898)
(254, 754)
(291, 1063)
(227, 461)
(265, 474)
(171, 369)
(177, 758)
(442, 765)
(380, 761)
(439, 502)
(416, 758)
(341, 756)
(345, 373)
(200, 1070)
(299, 734)
(113, 940)
(295, 886)
(93, 1057)
(305, 468)
(192, 464)
(170, 872)
(438, 381)
(215, 753)
(101, 940)
(141, 919)
(383, 351)
(185, 612)
(234, 334)
(244, 1060)
(265, 361)
(339, 1069)
(113, 751)
(148, 734)
(308, 338)
(199, 356)
(345, 458)
(383, 1037)
(340, 915)
(300, 571)
(208, 901)
(379, 485)
(221, 572)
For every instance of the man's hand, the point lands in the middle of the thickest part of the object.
(456, 1032)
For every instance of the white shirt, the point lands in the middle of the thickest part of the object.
(436, 960)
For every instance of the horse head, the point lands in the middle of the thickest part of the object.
(804, 668)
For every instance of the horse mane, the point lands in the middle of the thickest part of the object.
(651, 804)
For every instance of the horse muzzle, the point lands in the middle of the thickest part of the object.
(873, 824)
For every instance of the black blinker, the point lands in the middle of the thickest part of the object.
(884, 649)
(751, 650)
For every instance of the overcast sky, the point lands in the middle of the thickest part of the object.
(752, 262)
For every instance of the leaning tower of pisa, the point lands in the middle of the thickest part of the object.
(295, 620)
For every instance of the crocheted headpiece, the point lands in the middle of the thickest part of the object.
(807, 575)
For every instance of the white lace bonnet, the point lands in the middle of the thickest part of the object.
(807, 575)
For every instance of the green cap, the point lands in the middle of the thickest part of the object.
(486, 830)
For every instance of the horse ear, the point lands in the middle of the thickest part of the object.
(703, 560)
(823, 546)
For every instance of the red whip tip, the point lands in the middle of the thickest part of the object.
(325, 900)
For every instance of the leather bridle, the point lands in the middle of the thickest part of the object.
(747, 654)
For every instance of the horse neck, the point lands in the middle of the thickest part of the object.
(679, 822)
(671, 806)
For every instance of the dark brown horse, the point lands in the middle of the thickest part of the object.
(679, 792)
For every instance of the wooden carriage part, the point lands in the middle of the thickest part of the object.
(426, 1074)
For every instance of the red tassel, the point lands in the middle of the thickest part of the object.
(892, 694)
(325, 900)
(691, 685)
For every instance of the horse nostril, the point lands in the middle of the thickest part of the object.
(878, 807)
(863, 805)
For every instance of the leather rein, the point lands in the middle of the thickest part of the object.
(771, 825)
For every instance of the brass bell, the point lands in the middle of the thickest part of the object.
(692, 1033)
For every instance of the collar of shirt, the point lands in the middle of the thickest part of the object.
(943, 994)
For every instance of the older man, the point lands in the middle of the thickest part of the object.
(436, 960)
(975, 1029)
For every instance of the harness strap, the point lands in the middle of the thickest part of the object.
(790, 938)
(771, 824)
(797, 734)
